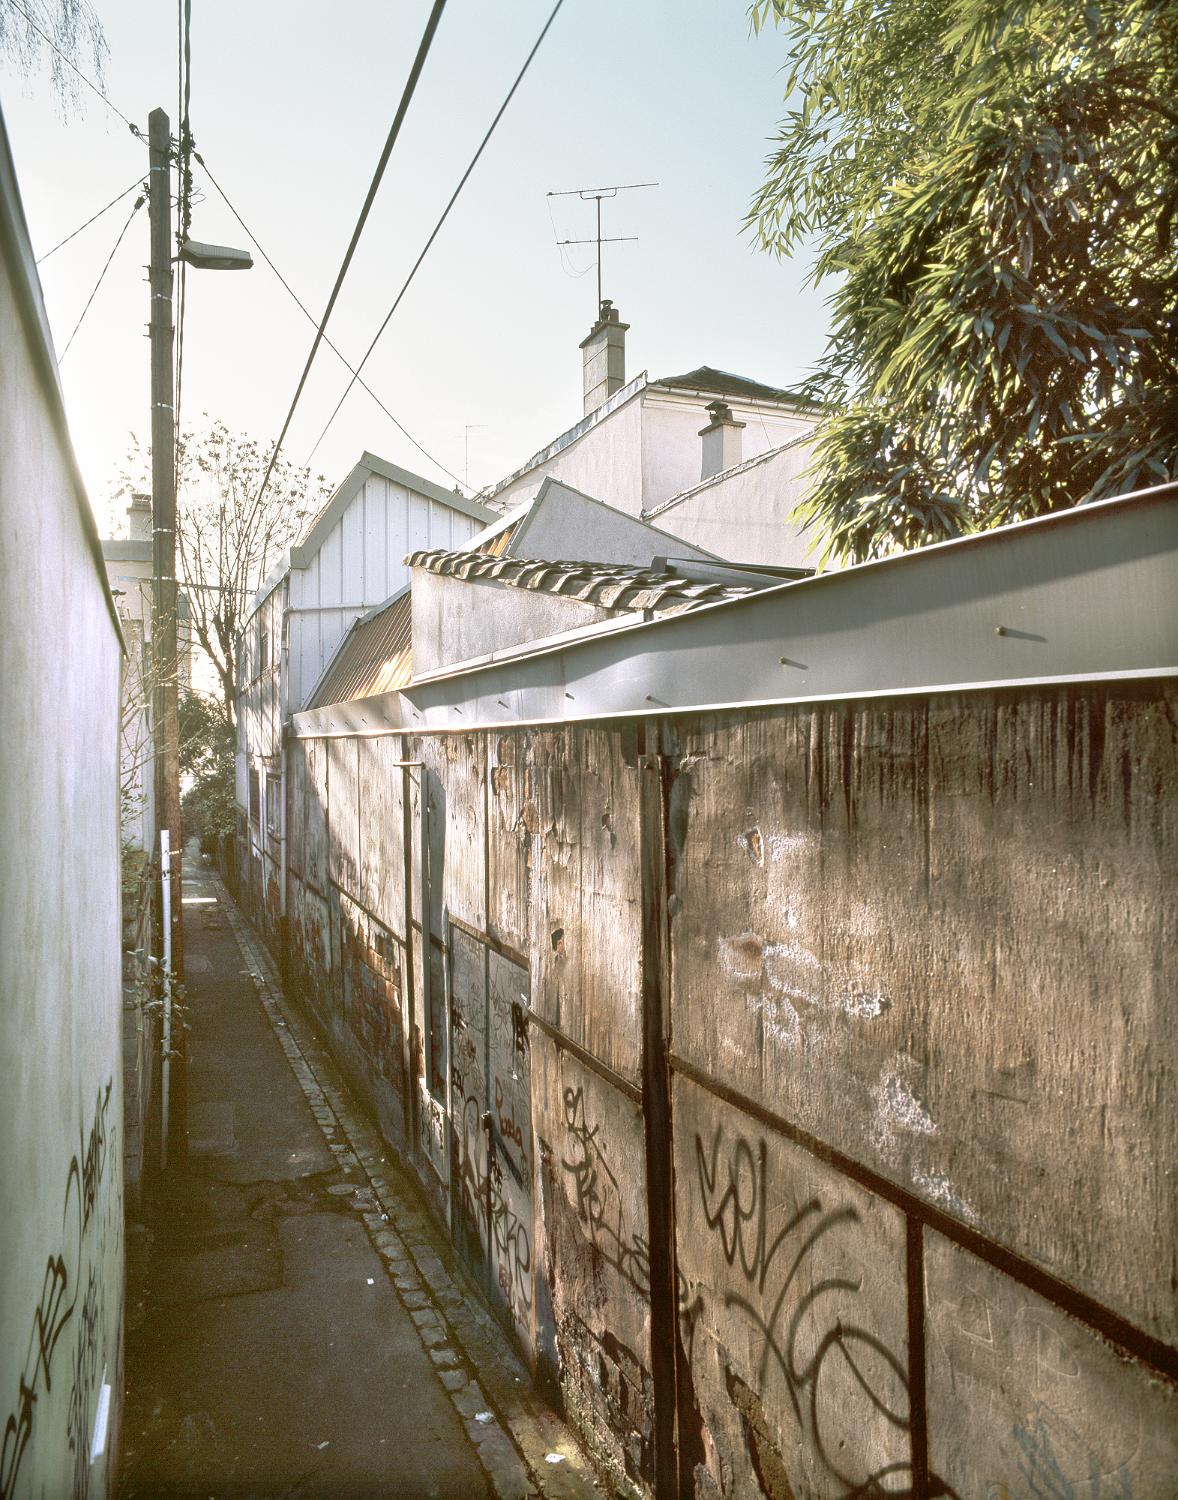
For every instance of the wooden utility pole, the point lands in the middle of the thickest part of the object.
(165, 652)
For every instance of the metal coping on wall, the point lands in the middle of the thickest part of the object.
(1082, 596)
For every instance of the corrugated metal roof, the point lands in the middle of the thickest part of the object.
(607, 586)
(376, 656)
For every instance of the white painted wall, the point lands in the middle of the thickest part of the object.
(605, 462)
(61, 1099)
(649, 448)
(360, 563)
(744, 514)
(672, 449)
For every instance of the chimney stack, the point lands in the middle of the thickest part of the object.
(722, 440)
(139, 518)
(604, 357)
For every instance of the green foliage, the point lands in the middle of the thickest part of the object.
(992, 185)
(207, 745)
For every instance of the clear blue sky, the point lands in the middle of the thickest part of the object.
(291, 102)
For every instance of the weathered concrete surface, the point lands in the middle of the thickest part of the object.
(792, 1301)
(273, 1354)
(919, 965)
(1023, 1401)
(942, 937)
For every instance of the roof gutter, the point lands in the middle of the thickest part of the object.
(1082, 596)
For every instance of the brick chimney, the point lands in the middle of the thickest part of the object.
(722, 440)
(139, 518)
(605, 357)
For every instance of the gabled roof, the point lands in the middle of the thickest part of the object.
(375, 656)
(707, 381)
(559, 518)
(300, 554)
(320, 524)
(605, 585)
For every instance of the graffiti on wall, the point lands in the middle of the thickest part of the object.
(371, 963)
(794, 1276)
(64, 1315)
(597, 1196)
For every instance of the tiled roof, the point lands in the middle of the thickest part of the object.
(607, 586)
(497, 545)
(713, 382)
(376, 656)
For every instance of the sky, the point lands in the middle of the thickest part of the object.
(291, 104)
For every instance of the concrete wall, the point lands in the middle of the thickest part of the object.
(455, 619)
(828, 1052)
(563, 523)
(61, 1204)
(746, 514)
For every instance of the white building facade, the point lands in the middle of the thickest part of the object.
(351, 558)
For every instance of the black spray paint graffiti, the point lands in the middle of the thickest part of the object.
(55, 1308)
(513, 1249)
(598, 1198)
(773, 1261)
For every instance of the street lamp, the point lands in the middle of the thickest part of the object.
(214, 257)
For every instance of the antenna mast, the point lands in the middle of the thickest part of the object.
(599, 239)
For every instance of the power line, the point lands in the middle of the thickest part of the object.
(98, 283)
(138, 183)
(310, 316)
(394, 131)
(90, 84)
(445, 215)
(183, 197)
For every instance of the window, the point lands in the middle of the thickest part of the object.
(255, 797)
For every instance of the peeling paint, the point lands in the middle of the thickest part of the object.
(937, 1188)
(897, 1109)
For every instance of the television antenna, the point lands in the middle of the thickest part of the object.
(599, 239)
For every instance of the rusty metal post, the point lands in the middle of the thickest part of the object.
(656, 1114)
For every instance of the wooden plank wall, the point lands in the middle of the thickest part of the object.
(896, 1016)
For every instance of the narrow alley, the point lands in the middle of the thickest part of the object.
(296, 1323)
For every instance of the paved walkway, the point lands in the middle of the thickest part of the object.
(299, 1327)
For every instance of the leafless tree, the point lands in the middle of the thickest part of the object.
(228, 538)
(64, 35)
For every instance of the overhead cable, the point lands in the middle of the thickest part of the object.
(183, 201)
(310, 316)
(101, 276)
(394, 131)
(138, 183)
(445, 215)
(90, 84)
